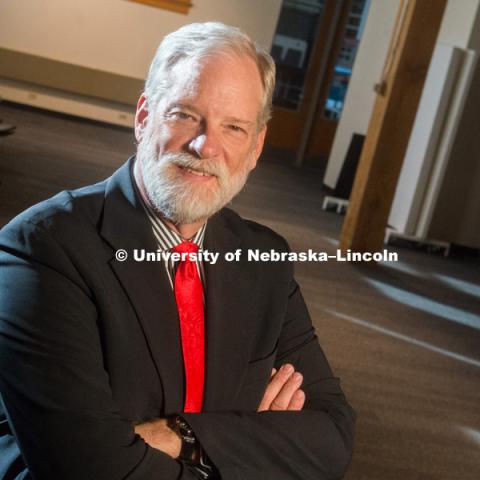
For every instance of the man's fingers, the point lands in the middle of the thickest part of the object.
(297, 401)
(277, 381)
(285, 395)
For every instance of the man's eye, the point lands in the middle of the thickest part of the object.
(178, 115)
(236, 128)
(183, 116)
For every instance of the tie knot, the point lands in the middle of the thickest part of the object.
(186, 247)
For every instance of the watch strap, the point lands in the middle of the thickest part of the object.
(192, 452)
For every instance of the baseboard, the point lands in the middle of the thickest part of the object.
(64, 102)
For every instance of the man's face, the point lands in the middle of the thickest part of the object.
(197, 149)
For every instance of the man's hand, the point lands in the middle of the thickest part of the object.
(283, 391)
(160, 436)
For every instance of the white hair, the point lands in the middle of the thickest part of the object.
(200, 40)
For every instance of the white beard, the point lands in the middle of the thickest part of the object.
(178, 198)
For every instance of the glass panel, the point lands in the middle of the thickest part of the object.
(344, 64)
(291, 49)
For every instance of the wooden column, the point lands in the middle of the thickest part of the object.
(399, 92)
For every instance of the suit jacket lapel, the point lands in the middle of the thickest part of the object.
(230, 316)
(125, 225)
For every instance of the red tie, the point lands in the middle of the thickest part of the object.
(189, 296)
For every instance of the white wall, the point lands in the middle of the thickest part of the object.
(118, 36)
(458, 23)
(366, 72)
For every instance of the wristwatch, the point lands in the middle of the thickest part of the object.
(192, 452)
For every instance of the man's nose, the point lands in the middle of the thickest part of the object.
(205, 145)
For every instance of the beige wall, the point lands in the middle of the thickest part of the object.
(118, 36)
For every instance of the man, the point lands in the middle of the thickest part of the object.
(116, 368)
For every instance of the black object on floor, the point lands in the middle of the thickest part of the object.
(349, 168)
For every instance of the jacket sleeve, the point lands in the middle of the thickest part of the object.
(315, 443)
(53, 385)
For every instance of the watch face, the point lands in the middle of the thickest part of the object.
(183, 427)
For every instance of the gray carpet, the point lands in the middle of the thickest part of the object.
(404, 337)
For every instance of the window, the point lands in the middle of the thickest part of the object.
(292, 45)
(346, 57)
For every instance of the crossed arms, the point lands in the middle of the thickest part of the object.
(282, 393)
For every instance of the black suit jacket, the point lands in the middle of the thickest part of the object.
(90, 345)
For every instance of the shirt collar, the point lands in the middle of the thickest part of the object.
(166, 237)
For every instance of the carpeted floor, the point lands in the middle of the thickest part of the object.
(404, 337)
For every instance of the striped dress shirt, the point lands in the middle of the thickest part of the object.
(167, 239)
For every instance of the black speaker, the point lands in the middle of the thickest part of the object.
(349, 167)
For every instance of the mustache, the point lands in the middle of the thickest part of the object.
(185, 160)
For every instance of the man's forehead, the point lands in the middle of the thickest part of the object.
(185, 75)
(224, 76)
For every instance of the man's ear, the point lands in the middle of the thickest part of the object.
(258, 147)
(141, 117)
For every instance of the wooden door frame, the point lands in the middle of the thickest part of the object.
(323, 81)
(285, 126)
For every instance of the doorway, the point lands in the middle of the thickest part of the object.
(314, 48)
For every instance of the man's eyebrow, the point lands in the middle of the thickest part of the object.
(184, 106)
(239, 120)
(180, 105)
